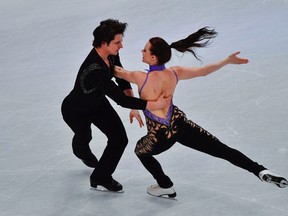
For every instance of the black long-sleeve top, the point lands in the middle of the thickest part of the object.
(94, 81)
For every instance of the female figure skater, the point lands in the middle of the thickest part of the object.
(170, 124)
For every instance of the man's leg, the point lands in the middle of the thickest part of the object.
(80, 146)
(81, 126)
(108, 121)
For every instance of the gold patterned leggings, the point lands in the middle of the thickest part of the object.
(161, 137)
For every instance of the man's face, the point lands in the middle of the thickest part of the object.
(115, 45)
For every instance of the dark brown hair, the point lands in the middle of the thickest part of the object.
(162, 50)
(107, 30)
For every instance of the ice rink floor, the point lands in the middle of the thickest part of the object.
(43, 44)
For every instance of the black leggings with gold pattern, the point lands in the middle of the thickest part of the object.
(161, 137)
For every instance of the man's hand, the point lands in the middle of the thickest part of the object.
(136, 114)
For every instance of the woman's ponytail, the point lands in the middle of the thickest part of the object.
(201, 38)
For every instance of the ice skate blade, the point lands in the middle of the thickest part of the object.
(280, 183)
(103, 189)
(166, 196)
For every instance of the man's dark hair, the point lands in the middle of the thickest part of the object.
(107, 30)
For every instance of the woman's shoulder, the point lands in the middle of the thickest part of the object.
(175, 68)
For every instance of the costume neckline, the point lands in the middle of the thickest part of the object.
(156, 68)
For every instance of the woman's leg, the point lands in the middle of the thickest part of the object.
(164, 183)
(154, 167)
(155, 142)
(193, 136)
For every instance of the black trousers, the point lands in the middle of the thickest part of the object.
(161, 137)
(107, 121)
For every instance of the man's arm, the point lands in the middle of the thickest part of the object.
(114, 92)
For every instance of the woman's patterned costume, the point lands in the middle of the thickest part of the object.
(163, 133)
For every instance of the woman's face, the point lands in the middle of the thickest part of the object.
(146, 54)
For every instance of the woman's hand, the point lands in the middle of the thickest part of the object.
(161, 103)
(234, 59)
(118, 70)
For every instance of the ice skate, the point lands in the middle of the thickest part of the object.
(268, 176)
(156, 190)
(113, 186)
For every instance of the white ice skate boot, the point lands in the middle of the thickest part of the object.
(268, 176)
(156, 190)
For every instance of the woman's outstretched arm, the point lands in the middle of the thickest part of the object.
(188, 72)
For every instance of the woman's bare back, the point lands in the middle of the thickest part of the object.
(159, 82)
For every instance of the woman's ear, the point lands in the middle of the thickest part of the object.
(153, 59)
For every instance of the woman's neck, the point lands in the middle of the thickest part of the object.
(156, 67)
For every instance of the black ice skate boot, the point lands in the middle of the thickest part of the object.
(268, 176)
(112, 185)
